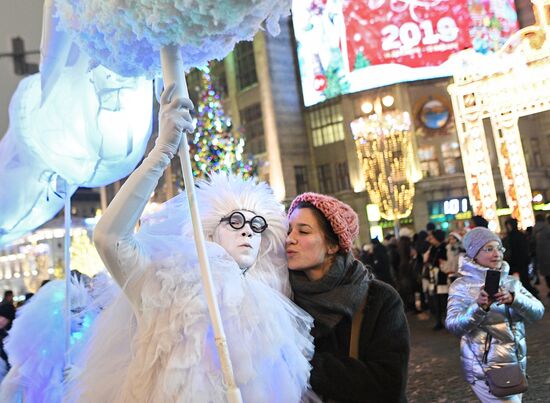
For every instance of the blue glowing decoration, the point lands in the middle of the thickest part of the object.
(69, 127)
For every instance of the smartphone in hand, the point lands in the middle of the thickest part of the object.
(492, 280)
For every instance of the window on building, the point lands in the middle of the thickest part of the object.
(252, 122)
(300, 175)
(219, 78)
(246, 64)
(324, 173)
(342, 177)
(194, 84)
(452, 161)
(535, 152)
(327, 124)
(428, 161)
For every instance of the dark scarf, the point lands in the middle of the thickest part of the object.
(339, 293)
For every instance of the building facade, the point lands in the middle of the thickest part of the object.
(313, 149)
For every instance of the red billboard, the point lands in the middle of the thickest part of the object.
(350, 45)
(411, 33)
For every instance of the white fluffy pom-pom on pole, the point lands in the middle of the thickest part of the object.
(128, 36)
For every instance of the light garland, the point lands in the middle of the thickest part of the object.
(384, 149)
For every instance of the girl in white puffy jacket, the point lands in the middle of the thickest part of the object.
(481, 321)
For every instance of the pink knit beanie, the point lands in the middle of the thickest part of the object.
(342, 218)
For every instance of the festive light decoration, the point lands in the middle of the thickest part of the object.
(384, 148)
(215, 147)
(503, 87)
(35, 258)
(84, 256)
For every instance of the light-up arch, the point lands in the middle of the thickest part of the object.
(512, 83)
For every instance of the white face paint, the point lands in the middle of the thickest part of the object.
(243, 244)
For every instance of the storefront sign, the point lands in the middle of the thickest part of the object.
(454, 208)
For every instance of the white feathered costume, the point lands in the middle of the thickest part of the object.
(156, 343)
(36, 343)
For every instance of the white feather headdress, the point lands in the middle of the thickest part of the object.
(217, 197)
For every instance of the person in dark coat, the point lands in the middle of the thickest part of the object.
(405, 269)
(479, 221)
(380, 263)
(8, 308)
(436, 259)
(517, 253)
(541, 233)
(421, 246)
(339, 291)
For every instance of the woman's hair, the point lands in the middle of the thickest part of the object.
(326, 228)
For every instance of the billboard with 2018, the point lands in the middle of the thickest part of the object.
(351, 45)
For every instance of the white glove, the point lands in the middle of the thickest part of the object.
(174, 118)
(71, 373)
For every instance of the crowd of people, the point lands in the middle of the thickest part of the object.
(422, 265)
(307, 316)
(443, 276)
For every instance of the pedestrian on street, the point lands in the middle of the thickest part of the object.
(8, 308)
(405, 268)
(438, 287)
(541, 232)
(454, 252)
(361, 334)
(517, 253)
(381, 263)
(492, 328)
(421, 295)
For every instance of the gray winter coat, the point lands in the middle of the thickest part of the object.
(466, 319)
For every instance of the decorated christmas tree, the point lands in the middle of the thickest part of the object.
(361, 61)
(337, 82)
(215, 146)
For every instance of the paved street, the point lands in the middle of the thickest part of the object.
(435, 374)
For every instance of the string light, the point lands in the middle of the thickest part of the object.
(384, 148)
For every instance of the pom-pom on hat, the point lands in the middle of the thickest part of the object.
(475, 239)
(456, 235)
(342, 218)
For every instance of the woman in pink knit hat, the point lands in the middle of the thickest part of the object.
(360, 331)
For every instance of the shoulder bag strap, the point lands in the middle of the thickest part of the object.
(511, 322)
(356, 330)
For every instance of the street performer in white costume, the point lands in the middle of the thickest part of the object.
(155, 343)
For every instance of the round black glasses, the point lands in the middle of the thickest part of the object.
(237, 220)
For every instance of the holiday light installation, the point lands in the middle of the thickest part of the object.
(215, 147)
(385, 152)
(512, 83)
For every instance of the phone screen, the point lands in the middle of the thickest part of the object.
(492, 279)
